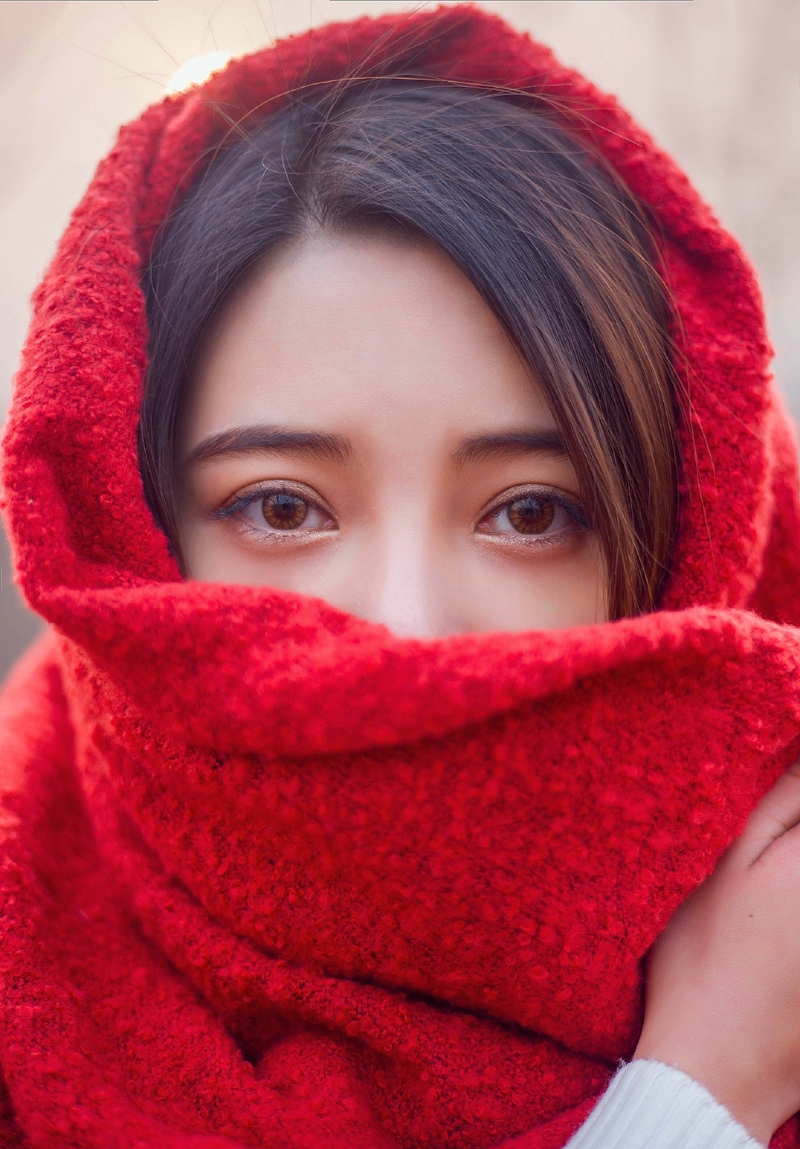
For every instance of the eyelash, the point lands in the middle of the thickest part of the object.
(574, 510)
(234, 510)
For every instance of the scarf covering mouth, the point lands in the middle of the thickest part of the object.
(272, 877)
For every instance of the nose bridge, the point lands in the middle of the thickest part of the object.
(409, 593)
(405, 580)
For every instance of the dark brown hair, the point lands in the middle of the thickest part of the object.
(549, 235)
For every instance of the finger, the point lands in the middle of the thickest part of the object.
(776, 814)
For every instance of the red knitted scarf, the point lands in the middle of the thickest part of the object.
(272, 877)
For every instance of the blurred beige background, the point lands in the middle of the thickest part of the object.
(715, 81)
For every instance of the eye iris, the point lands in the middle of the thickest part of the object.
(284, 511)
(530, 515)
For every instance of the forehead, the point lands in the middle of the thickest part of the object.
(361, 332)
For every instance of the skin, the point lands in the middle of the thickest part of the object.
(437, 425)
(723, 987)
(361, 381)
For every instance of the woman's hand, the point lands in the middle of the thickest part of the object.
(723, 980)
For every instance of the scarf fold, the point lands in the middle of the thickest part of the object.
(273, 877)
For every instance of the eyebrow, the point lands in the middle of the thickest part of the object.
(480, 447)
(264, 438)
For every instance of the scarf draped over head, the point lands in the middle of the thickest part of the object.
(272, 877)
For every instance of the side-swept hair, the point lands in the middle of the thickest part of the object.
(552, 239)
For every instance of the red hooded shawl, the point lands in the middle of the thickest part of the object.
(272, 877)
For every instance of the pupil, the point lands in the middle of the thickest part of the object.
(531, 516)
(284, 511)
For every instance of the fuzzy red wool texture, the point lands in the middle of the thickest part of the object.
(272, 877)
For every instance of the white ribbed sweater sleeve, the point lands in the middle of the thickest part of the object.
(652, 1106)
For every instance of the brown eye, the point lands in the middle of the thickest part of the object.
(284, 511)
(531, 515)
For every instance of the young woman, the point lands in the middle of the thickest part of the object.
(423, 619)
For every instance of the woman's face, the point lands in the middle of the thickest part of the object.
(362, 430)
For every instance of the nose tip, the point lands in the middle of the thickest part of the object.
(408, 595)
(410, 625)
(407, 613)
